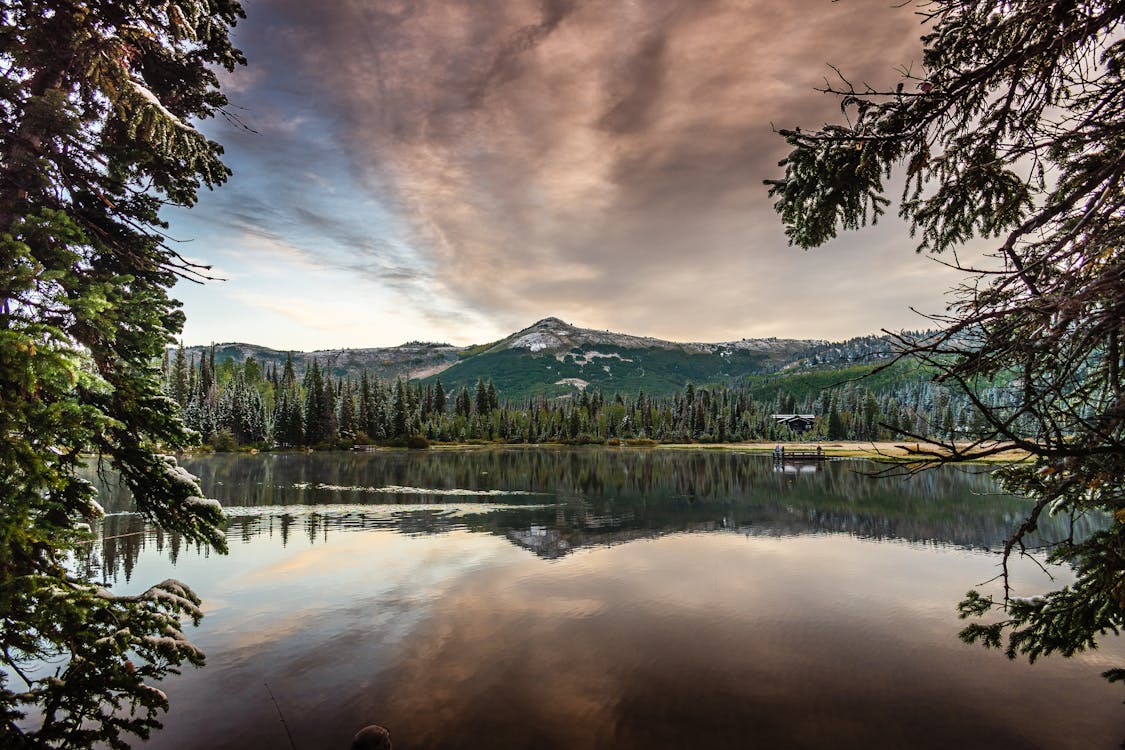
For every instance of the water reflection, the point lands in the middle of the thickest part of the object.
(552, 502)
(513, 599)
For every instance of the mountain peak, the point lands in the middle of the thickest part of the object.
(548, 333)
(551, 322)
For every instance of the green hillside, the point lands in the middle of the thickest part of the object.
(810, 382)
(518, 373)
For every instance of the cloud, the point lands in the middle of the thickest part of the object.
(275, 250)
(239, 80)
(598, 160)
(307, 313)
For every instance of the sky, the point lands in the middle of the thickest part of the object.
(454, 170)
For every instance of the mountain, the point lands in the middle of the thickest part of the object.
(414, 359)
(553, 335)
(554, 358)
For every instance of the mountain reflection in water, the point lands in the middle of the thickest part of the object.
(555, 501)
(601, 598)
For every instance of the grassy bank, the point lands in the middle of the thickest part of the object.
(885, 451)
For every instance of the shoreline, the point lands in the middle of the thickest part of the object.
(904, 451)
(888, 451)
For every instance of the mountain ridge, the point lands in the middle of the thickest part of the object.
(554, 333)
(555, 358)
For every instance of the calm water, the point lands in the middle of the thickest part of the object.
(601, 599)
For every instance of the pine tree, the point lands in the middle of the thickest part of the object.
(464, 405)
(97, 100)
(192, 379)
(836, 429)
(348, 417)
(1009, 132)
(179, 379)
(328, 425)
(380, 412)
(315, 431)
(288, 417)
(399, 411)
(491, 397)
(363, 415)
(439, 397)
(480, 400)
(288, 376)
(211, 375)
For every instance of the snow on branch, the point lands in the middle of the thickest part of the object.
(150, 97)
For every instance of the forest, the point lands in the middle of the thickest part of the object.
(232, 405)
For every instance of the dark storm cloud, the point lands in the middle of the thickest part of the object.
(601, 160)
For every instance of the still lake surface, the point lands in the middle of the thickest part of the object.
(601, 598)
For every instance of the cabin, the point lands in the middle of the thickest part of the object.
(797, 422)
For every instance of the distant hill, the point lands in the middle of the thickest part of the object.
(554, 358)
(415, 359)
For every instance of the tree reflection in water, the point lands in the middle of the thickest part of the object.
(553, 501)
(599, 598)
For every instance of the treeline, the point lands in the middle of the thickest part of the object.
(233, 404)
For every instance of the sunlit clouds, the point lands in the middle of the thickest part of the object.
(475, 166)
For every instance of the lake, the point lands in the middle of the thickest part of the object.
(601, 598)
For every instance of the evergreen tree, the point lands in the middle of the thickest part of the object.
(464, 406)
(1010, 132)
(288, 418)
(179, 379)
(288, 376)
(206, 377)
(328, 424)
(439, 396)
(363, 415)
(480, 401)
(348, 417)
(380, 416)
(252, 372)
(211, 376)
(192, 380)
(280, 422)
(836, 429)
(399, 411)
(315, 429)
(98, 100)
